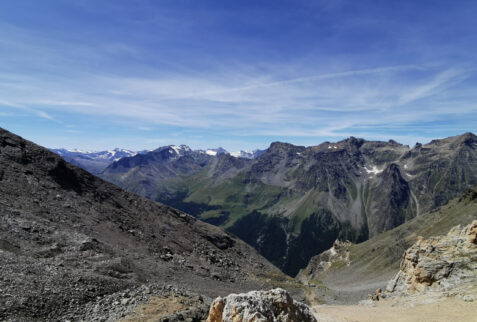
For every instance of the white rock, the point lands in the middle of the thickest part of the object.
(274, 305)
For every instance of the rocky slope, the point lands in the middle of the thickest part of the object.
(273, 305)
(350, 271)
(69, 241)
(437, 281)
(293, 202)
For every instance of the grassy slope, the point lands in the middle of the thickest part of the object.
(277, 231)
(232, 196)
(375, 261)
(237, 198)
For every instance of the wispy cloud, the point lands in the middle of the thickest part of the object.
(438, 83)
(331, 101)
(31, 110)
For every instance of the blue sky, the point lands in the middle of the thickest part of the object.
(140, 74)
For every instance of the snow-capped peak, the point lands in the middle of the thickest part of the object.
(178, 149)
(242, 154)
(110, 155)
(79, 151)
(117, 154)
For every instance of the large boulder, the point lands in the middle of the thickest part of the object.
(438, 263)
(259, 306)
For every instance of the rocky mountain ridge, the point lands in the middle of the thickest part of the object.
(293, 202)
(96, 161)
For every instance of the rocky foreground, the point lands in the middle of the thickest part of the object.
(437, 281)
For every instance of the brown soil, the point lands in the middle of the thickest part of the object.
(159, 307)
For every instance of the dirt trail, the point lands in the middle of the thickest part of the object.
(450, 309)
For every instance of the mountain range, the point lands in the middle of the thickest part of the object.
(96, 161)
(292, 202)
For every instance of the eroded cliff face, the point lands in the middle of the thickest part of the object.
(438, 263)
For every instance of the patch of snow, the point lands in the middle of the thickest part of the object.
(242, 154)
(329, 146)
(176, 148)
(210, 152)
(298, 153)
(335, 147)
(374, 170)
(405, 166)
